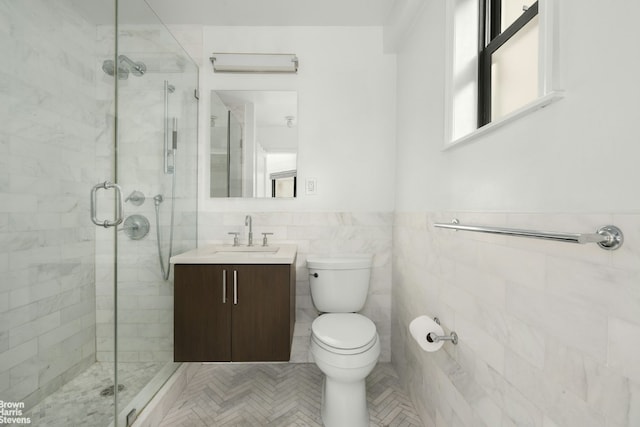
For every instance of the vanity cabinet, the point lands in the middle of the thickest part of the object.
(239, 313)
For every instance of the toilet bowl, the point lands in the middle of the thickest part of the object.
(345, 347)
(344, 344)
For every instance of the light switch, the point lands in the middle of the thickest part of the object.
(311, 186)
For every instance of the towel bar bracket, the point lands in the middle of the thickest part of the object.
(613, 235)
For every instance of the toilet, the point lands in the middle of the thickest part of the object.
(344, 344)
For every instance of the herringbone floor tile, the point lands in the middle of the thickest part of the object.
(279, 395)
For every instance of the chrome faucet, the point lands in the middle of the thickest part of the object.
(249, 221)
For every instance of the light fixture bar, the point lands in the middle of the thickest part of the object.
(254, 62)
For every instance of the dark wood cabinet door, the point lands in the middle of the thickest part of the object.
(261, 317)
(202, 316)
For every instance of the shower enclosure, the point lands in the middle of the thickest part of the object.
(98, 184)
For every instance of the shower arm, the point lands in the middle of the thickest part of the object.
(138, 67)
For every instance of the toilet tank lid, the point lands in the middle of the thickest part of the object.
(339, 262)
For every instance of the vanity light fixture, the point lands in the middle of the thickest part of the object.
(254, 62)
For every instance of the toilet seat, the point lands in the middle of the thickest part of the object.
(344, 333)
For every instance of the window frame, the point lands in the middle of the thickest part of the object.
(491, 37)
(461, 119)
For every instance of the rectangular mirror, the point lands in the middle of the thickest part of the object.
(253, 144)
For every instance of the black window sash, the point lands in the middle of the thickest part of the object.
(491, 38)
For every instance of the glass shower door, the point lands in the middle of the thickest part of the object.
(156, 167)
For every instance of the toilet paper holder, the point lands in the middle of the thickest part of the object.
(431, 337)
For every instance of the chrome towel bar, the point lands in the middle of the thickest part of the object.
(608, 237)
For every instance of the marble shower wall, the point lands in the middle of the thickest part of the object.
(549, 332)
(319, 233)
(49, 118)
(145, 300)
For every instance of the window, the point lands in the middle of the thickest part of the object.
(508, 57)
(501, 63)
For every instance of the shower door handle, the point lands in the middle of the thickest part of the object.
(94, 204)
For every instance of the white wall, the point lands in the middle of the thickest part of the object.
(568, 157)
(346, 122)
(346, 102)
(548, 331)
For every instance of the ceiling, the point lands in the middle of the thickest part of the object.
(271, 106)
(242, 12)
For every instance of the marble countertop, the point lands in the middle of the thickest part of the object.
(284, 253)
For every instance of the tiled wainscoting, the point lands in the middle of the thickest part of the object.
(549, 332)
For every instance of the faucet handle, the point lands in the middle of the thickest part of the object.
(235, 238)
(264, 238)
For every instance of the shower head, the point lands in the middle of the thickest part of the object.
(125, 66)
(108, 66)
(136, 68)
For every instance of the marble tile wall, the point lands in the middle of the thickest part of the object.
(49, 118)
(319, 233)
(549, 332)
(145, 299)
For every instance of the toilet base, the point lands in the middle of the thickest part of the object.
(344, 403)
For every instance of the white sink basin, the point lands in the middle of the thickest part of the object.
(245, 250)
(252, 254)
(228, 254)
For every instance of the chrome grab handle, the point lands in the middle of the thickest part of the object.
(94, 204)
(235, 287)
(224, 286)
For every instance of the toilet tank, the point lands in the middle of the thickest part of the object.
(339, 284)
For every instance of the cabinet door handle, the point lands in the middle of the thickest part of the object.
(224, 286)
(235, 287)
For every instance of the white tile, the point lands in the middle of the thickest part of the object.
(33, 329)
(624, 348)
(570, 323)
(15, 355)
(22, 203)
(597, 287)
(612, 394)
(515, 265)
(485, 346)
